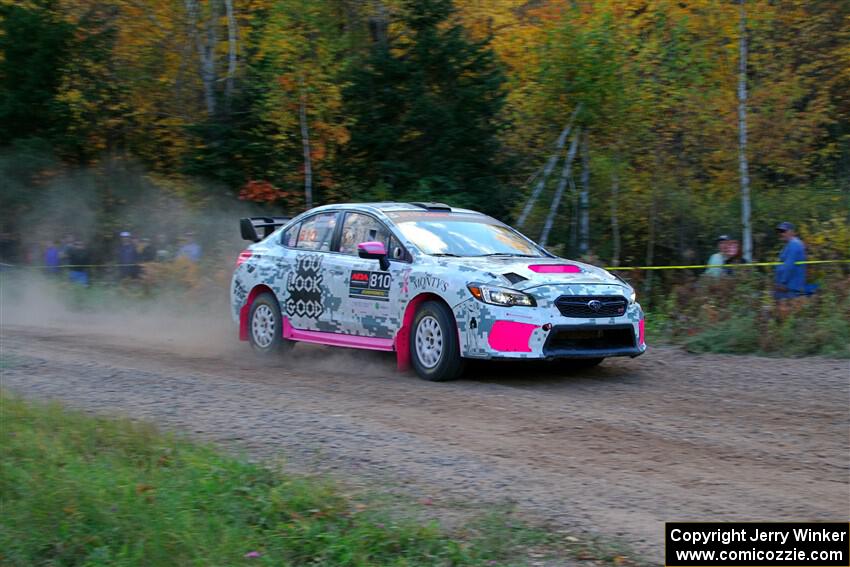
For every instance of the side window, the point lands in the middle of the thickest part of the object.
(359, 228)
(396, 250)
(316, 232)
(290, 236)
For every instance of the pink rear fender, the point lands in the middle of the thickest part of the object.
(402, 337)
(245, 310)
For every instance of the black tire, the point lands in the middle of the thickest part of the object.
(265, 305)
(449, 364)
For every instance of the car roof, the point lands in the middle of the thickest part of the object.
(386, 207)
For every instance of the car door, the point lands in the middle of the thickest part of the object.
(310, 290)
(371, 299)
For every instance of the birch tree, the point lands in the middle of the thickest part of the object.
(206, 48)
(547, 169)
(584, 199)
(305, 143)
(742, 137)
(559, 191)
(232, 53)
(615, 220)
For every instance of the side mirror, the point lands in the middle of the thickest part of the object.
(374, 251)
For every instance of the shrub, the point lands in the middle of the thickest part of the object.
(739, 315)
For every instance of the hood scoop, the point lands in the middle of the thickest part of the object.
(514, 278)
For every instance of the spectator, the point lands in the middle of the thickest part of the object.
(790, 276)
(163, 249)
(146, 250)
(78, 257)
(65, 247)
(127, 257)
(8, 247)
(189, 249)
(51, 257)
(718, 259)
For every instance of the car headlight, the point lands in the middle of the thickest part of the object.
(500, 296)
(632, 297)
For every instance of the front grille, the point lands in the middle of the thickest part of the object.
(583, 306)
(564, 340)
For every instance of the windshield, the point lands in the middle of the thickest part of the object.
(461, 234)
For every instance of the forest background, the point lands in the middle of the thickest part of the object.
(655, 120)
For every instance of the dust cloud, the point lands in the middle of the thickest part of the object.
(166, 323)
(180, 309)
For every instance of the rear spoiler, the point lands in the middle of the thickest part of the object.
(249, 225)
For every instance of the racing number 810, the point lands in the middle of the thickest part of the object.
(379, 281)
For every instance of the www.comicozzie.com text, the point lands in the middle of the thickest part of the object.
(726, 536)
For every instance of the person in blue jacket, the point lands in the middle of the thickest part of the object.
(790, 276)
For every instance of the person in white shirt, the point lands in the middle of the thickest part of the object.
(718, 259)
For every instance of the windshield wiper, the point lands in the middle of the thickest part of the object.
(447, 254)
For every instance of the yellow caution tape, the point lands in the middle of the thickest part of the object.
(723, 266)
(611, 268)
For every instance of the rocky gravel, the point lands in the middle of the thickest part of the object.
(614, 451)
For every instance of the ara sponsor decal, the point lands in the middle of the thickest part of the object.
(430, 282)
(369, 285)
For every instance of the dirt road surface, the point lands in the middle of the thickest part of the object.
(615, 451)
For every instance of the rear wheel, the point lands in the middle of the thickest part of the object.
(265, 325)
(434, 348)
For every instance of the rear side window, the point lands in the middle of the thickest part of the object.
(317, 232)
(290, 236)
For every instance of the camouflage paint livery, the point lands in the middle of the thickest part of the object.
(316, 291)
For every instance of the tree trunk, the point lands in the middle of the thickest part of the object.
(574, 218)
(206, 53)
(742, 139)
(650, 238)
(305, 142)
(547, 170)
(208, 59)
(584, 200)
(559, 192)
(379, 23)
(650, 242)
(232, 57)
(615, 221)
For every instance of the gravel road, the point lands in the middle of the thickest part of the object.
(615, 451)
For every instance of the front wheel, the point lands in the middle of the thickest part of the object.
(265, 325)
(434, 348)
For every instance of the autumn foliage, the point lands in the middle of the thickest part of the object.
(285, 102)
(261, 192)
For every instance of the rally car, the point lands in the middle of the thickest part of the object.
(432, 283)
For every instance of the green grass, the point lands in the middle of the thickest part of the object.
(80, 490)
(739, 316)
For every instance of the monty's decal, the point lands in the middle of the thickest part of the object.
(303, 286)
(369, 285)
(430, 282)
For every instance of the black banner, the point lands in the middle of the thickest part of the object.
(369, 285)
(762, 544)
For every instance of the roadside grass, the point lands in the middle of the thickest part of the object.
(738, 315)
(82, 490)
